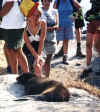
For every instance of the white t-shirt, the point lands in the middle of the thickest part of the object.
(14, 19)
(50, 13)
(49, 16)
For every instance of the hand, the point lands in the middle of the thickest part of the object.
(38, 66)
(59, 28)
(38, 60)
(37, 70)
(50, 29)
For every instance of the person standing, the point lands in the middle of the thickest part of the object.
(51, 16)
(93, 30)
(65, 31)
(92, 17)
(11, 31)
(79, 24)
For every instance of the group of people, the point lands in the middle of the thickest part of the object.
(26, 38)
(69, 14)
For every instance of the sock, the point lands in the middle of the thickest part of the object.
(78, 45)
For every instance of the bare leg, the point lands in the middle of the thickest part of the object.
(6, 51)
(65, 46)
(89, 43)
(78, 34)
(6, 55)
(12, 60)
(22, 60)
(65, 49)
(78, 39)
(47, 64)
(15, 56)
(97, 42)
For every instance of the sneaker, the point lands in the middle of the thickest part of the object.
(65, 60)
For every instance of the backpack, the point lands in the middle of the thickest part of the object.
(27, 7)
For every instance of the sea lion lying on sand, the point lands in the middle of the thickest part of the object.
(49, 90)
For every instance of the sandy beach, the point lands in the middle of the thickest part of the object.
(84, 97)
(11, 93)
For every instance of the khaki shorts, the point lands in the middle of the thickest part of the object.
(93, 27)
(13, 38)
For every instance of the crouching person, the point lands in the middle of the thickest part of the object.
(34, 36)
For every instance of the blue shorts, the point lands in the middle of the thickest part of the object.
(65, 34)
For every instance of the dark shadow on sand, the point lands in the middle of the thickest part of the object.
(56, 63)
(75, 57)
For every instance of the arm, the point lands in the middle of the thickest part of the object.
(29, 46)
(6, 8)
(78, 12)
(56, 26)
(57, 21)
(76, 4)
(42, 37)
(39, 61)
(55, 4)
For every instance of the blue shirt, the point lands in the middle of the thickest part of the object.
(65, 11)
(64, 6)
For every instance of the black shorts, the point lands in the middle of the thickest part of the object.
(35, 45)
(29, 55)
(79, 23)
(13, 37)
(93, 27)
